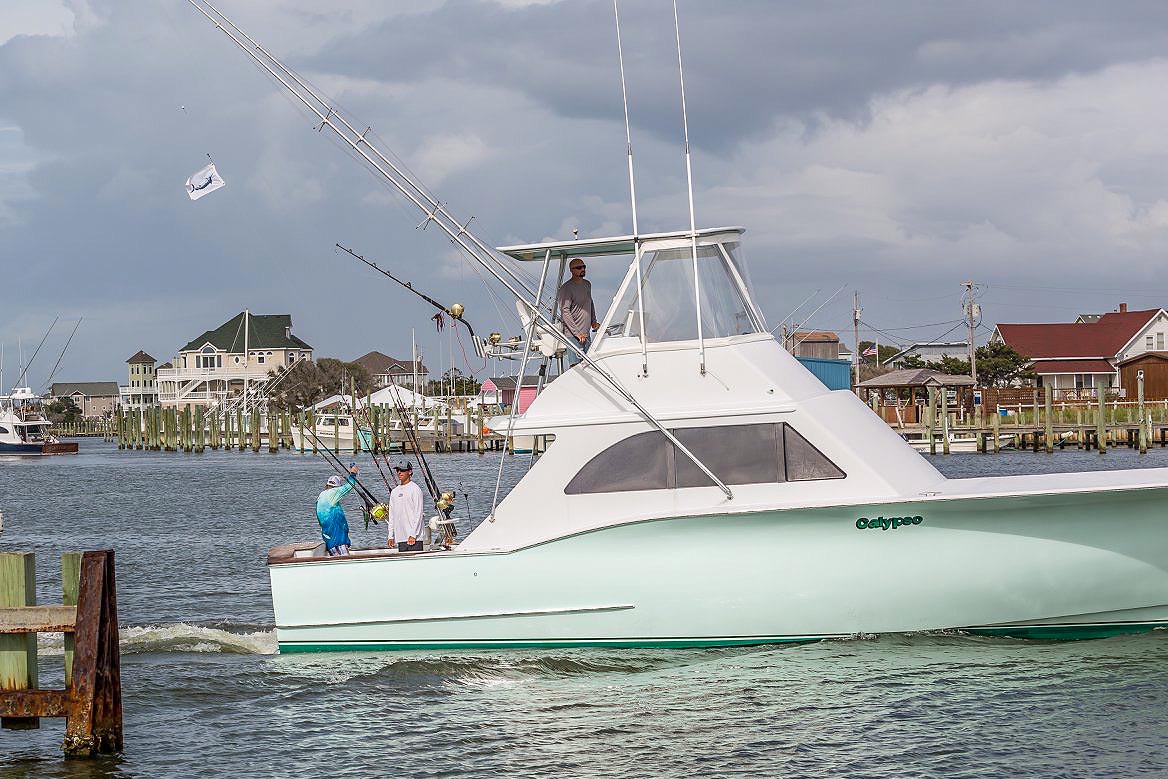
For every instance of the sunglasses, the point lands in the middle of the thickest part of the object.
(579, 267)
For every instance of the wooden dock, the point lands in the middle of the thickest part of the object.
(1046, 427)
(91, 702)
(192, 430)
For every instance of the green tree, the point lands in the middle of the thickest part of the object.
(63, 410)
(308, 382)
(998, 365)
(463, 384)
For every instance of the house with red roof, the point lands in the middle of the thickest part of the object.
(1085, 354)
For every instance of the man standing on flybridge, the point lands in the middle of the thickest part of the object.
(577, 313)
(405, 511)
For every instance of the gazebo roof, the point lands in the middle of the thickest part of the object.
(916, 377)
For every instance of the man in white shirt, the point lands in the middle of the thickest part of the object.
(405, 511)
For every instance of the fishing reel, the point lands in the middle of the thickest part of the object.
(444, 522)
(376, 513)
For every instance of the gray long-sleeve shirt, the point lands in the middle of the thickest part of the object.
(576, 310)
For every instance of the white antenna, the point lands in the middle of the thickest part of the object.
(632, 194)
(693, 230)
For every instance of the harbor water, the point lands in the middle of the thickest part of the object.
(204, 692)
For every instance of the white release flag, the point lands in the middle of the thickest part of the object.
(204, 182)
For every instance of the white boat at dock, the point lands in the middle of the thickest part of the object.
(704, 489)
(24, 430)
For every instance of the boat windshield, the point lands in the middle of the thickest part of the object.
(669, 300)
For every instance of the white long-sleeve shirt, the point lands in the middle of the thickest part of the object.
(405, 512)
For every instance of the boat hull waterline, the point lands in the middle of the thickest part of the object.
(37, 449)
(1042, 566)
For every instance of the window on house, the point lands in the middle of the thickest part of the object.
(260, 359)
(1159, 342)
(1148, 342)
(737, 454)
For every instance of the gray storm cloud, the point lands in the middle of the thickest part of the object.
(897, 148)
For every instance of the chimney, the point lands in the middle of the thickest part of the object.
(1123, 308)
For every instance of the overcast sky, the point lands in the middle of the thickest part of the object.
(895, 148)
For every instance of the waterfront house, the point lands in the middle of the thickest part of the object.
(1076, 358)
(96, 399)
(930, 351)
(222, 362)
(141, 387)
(501, 391)
(385, 370)
(819, 344)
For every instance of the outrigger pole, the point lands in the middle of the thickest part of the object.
(28, 364)
(455, 311)
(433, 209)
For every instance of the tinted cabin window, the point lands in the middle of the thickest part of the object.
(738, 454)
(640, 462)
(804, 461)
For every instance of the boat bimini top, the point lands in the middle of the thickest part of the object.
(679, 286)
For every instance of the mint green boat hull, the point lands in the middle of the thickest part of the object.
(1042, 566)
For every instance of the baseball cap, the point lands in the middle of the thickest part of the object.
(333, 481)
(403, 465)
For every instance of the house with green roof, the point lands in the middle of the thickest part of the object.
(224, 362)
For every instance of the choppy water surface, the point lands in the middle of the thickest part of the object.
(204, 693)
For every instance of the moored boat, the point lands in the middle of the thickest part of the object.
(24, 430)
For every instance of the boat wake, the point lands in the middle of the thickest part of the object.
(181, 637)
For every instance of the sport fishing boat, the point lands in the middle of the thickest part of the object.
(24, 430)
(702, 488)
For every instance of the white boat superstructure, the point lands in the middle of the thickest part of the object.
(703, 488)
(833, 525)
(24, 430)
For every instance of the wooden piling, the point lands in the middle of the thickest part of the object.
(1101, 422)
(273, 429)
(931, 420)
(70, 583)
(1048, 419)
(18, 651)
(1142, 416)
(944, 420)
(254, 429)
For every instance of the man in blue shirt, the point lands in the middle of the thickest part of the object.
(334, 526)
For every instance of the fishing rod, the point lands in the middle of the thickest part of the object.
(60, 356)
(408, 427)
(361, 416)
(455, 311)
(34, 354)
(443, 501)
(332, 459)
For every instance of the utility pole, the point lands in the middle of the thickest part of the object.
(856, 335)
(971, 310)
